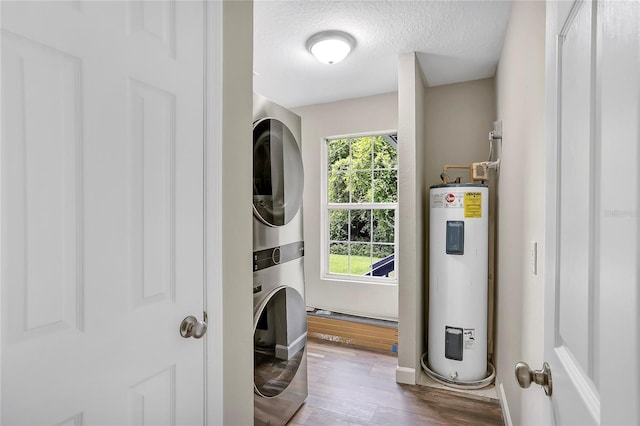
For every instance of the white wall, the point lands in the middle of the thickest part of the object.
(520, 89)
(458, 120)
(411, 205)
(236, 348)
(363, 115)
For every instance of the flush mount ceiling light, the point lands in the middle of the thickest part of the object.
(330, 47)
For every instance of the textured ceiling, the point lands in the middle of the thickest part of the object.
(456, 41)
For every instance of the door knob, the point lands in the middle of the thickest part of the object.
(525, 376)
(192, 327)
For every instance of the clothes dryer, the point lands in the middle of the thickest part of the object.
(278, 176)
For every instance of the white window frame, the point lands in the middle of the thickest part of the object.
(324, 218)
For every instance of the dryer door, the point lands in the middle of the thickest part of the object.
(279, 340)
(278, 178)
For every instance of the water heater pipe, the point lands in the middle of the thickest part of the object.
(473, 172)
(494, 135)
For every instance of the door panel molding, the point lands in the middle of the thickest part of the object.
(45, 266)
(152, 183)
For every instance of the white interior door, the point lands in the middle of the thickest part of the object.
(591, 293)
(102, 212)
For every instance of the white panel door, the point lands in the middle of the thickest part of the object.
(591, 290)
(102, 212)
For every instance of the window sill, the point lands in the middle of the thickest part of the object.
(359, 280)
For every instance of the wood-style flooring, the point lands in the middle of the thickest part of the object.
(355, 386)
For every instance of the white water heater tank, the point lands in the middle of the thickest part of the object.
(458, 281)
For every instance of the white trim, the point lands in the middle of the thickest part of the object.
(288, 351)
(324, 220)
(2, 232)
(358, 279)
(354, 312)
(506, 415)
(361, 135)
(363, 206)
(406, 375)
(583, 385)
(213, 213)
(551, 178)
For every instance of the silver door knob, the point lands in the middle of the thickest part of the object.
(192, 327)
(525, 376)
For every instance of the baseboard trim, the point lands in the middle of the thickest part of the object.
(353, 333)
(406, 375)
(506, 415)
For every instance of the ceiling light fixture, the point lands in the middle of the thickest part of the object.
(330, 47)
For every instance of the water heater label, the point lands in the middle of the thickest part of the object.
(473, 205)
(469, 338)
(437, 200)
(448, 200)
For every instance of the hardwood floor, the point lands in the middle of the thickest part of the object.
(355, 386)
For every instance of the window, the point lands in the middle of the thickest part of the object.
(361, 207)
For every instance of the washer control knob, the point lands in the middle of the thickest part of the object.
(275, 255)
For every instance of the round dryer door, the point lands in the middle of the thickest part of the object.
(279, 339)
(278, 178)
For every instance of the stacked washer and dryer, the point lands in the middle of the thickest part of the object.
(280, 318)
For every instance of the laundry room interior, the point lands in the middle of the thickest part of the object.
(439, 119)
(319, 212)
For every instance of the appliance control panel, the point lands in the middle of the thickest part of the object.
(277, 255)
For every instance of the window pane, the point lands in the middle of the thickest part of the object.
(383, 226)
(381, 251)
(361, 225)
(339, 258)
(338, 187)
(338, 155)
(361, 154)
(385, 154)
(385, 186)
(361, 187)
(360, 258)
(383, 263)
(339, 225)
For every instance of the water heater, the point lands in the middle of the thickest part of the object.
(458, 280)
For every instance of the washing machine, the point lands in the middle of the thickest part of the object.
(280, 318)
